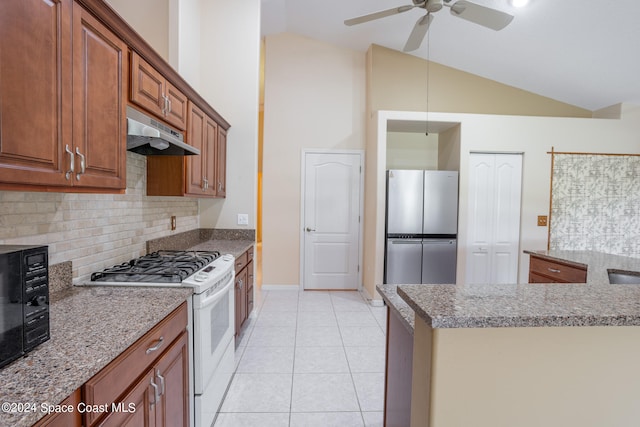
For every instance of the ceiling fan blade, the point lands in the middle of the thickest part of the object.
(418, 33)
(381, 14)
(481, 15)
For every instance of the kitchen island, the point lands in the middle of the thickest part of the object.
(528, 354)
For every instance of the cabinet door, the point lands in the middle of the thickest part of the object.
(195, 180)
(221, 163)
(241, 299)
(35, 91)
(147, 86)
(100, 65)
(172, 376)
(249, 287)
(142, 412)
(176, 113)
(209, 160)
(64, 419)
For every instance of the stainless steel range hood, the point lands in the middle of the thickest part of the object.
(149, 137)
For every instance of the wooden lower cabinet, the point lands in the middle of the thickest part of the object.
(160, 397)
(244, 291)
(64, 419)
(543, 270)
(148, 384)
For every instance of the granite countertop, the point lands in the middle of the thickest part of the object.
(224, 246)
(394, 302)
(90, 326)
(596, 303)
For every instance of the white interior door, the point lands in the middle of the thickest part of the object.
(495, 186)
(331, 220)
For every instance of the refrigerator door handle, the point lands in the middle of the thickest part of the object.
(439, 241)
(404, 241)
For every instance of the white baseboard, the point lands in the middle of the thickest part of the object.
(375, 302)
(280, 287)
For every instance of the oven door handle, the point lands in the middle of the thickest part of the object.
(205, 301)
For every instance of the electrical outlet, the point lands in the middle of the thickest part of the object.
(173, 222)
(542, 220)
(243, 219)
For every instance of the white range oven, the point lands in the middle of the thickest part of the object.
(211, 276)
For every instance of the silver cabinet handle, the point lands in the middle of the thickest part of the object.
(161, 378)
(219, 185)
(204, 183)
(310, 229)
(82, 164)
(169, 103)
(71, 162)
(155, 394)
(155, 347)
(164, 107)
(553, 270)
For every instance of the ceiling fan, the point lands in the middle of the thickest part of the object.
(482, 15)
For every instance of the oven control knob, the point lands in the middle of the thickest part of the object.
(200, 277)
(227, 257)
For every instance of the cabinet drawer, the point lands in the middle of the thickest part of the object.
(108, 384)
(556, 271)
(241, 261)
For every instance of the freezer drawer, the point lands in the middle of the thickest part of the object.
(439, 261)
(404, 261)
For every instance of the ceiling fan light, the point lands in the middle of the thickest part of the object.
(519, 3)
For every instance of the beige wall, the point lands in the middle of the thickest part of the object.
(314, 98)
(534, 136)
(150, 19)
(412, 150)
(229, 76)
(195, 37)
(317, 95)
(399, 82)
(527, 377)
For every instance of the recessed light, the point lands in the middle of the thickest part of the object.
(519, 3)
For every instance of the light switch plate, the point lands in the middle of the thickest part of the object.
(243, 219)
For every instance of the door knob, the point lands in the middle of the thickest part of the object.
(310, 229)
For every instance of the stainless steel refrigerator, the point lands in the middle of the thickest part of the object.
(421, 226)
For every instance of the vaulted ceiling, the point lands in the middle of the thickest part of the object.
(582, 52)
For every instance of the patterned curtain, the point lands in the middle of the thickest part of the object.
(595, 203)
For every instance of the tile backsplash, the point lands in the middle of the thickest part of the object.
(94, 230)
(596, 203)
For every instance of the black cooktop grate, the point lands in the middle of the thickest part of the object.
(160, 267)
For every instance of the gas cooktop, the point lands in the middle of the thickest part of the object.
(157, 267)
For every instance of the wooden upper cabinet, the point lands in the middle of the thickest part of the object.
(195, 167)
(221, 163)
(198, 176)
(151, 91)
(100, 68)
(35, 88)
(62, 99)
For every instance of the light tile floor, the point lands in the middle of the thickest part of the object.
(308, 359)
